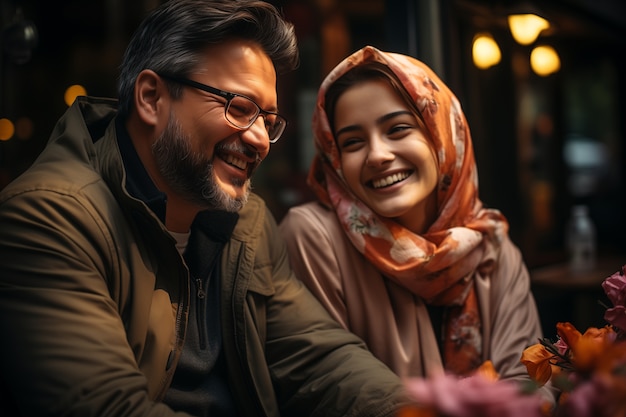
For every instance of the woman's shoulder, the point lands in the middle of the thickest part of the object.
(510, 266)
(310, 214)
(313, 225)
(508, 251)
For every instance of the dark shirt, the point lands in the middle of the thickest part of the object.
(200, 384)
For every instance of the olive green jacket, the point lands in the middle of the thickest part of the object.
(94, 299)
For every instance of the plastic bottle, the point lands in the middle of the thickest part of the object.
(581, 240)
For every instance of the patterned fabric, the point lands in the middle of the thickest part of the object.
(439, 266)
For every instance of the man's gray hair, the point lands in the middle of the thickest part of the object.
(172, 38)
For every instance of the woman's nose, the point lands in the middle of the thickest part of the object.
(378, 153)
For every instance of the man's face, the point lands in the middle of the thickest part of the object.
(201, 156)
(191, 173)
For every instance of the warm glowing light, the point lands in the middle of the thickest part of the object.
(485, 51)
(544, 60)
(72, 92)
(6, 129)
(525, 28)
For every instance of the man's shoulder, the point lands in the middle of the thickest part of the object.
(252, 216)
(68, 164)
(254, 208)
(71, 179)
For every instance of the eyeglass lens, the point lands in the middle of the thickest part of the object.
(242, 112)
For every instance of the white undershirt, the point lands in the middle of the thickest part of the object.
(181, 240)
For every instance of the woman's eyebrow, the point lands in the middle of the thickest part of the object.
(392, 115)
(380, 120)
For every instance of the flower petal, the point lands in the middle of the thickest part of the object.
(615, 287)
(568, 333)
(536, 358)
(616, 316)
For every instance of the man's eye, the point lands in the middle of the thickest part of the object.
(237, 111)
(241, 107)
(270, 121)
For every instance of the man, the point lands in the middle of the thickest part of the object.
(139, 275)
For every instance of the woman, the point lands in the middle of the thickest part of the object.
(399, 248)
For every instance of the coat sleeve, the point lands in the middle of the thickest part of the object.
(513, 316)
(319, 368)
(64, 349)
(310, 249)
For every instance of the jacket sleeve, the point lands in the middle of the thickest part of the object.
(319, 368)
(64, 349)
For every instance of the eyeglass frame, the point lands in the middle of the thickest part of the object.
(228, 96)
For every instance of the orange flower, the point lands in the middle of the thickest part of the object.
(488, 371)
(536, 358)
(568, 333)
(588, 349)
(413, 411)
(613, 360)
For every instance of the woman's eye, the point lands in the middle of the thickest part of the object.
(350, 143)
(399, 129)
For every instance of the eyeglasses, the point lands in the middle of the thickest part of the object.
(239, 110)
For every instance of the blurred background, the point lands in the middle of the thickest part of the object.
(547, 110)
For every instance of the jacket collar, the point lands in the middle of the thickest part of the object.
(218, 225)
(138, 182)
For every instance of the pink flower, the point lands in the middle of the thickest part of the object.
(616, 316)
(581, 402)
(615, 287)
(561, 346)
(600, 396)
(474, 396)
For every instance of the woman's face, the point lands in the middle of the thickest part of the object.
(386, 158)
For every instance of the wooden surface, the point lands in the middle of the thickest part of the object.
(561, 275)
(565, 295)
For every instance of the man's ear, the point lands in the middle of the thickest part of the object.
(150, 96)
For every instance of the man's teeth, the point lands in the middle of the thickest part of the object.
(383, 182)
(239, 163)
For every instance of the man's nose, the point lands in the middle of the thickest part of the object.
(256, 137)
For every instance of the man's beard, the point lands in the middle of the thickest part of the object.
(190, 174)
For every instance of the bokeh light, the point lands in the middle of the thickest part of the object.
(74, 91)
(485, 51)
(7, 129)
(544, 60)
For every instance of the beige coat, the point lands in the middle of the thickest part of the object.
(394, 323)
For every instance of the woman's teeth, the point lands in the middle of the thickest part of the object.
(392, 179)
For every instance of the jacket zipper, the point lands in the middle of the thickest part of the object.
(200, 312)
(200, 291)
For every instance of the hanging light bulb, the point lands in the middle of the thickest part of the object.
(544, 60)
(525, 28)
(485, 51)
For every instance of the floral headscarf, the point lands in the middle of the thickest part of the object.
(438, 265)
